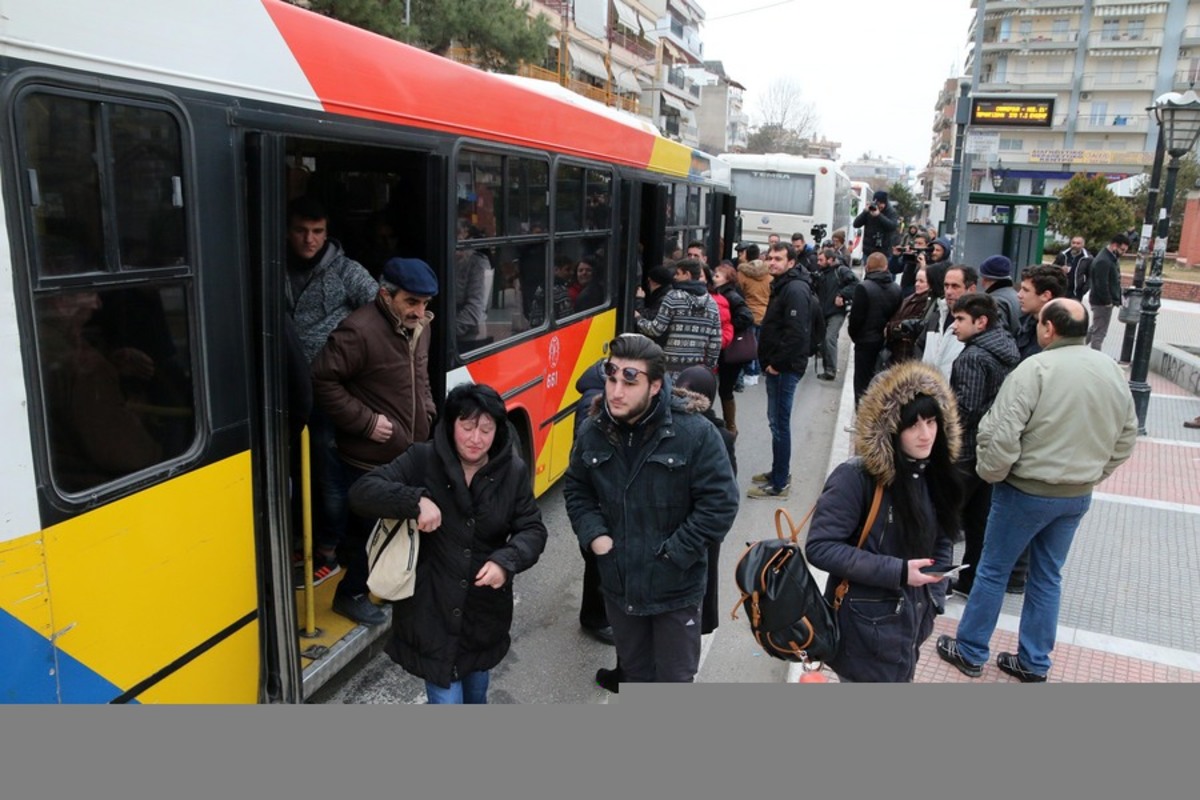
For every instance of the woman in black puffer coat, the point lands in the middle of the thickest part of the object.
(725, 283)
(473, 501)
(907, 440)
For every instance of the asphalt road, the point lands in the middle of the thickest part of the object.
(552, 661)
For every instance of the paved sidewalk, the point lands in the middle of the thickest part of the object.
(1131, 584)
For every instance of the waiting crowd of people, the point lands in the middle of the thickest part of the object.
(968, 385)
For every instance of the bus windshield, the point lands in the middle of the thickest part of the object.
(780, 192)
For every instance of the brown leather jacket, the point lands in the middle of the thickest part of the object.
(373, 365)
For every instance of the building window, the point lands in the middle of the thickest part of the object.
(1012, 144)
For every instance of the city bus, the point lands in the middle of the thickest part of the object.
(148, 153)
(785, 194)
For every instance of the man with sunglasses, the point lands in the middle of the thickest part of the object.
(648, 488)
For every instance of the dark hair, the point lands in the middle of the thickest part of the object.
(1059, 315)
(1120, 238)
(970, 274)
(752, 252)
(831, 255)
(695, 243)
(563, 261)
(661, 274)
(693, 267)
(636, 347)
(472, 400)
(941, 478)
(978, 304)
(728, 271)
(797, 235)
(708, 277)
(306, 207)
(786, 248)
(1046, 278)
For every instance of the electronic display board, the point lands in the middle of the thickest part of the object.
(1020, 112)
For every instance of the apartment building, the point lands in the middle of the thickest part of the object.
(724, 125)
(1102, 61)
(637, 55)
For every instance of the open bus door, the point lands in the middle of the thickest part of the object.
(304, 643)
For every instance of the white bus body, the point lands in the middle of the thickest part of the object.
(785, 194)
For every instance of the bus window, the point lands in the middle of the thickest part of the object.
(478, 192)
(116, 381)
(527, 190)
(105, 194)
(583, 259)
(500, 275)
(599, 200)
(149, 195)
(569, 193)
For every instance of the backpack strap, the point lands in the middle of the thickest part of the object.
(781, 513)
(876, 501)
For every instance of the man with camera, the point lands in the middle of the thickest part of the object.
(879, 222)
(906, 260)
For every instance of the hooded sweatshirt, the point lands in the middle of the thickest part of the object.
(688, 324)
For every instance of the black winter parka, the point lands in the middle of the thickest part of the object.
(450, 627)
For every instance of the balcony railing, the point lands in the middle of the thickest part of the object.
(631, 43)
(1191, 35)
(597, 93)
(1112, 123)
(1027, 80)
(1112, 81)
(1107, 39)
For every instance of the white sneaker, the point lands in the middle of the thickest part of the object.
(750, 380)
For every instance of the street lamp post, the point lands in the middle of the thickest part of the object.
(1179, 117)
(1134, 295)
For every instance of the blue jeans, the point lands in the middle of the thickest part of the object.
(1047, 526)
(781, 393)
(472, 690)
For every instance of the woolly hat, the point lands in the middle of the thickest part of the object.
(881, 197)
(996, 268)
(699, 379)
(412, 275)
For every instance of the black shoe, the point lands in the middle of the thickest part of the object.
(359, 608)
(947, 648)
(826, 376)
(604, 634)
(610, 679)
(1015, 588)
(1009, 663)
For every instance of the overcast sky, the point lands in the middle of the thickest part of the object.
(871, 69)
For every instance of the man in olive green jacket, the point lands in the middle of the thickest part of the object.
(1062, 422)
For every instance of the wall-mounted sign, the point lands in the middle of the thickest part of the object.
(1016, 112)
(1104, 157)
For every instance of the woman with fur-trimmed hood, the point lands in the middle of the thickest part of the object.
(907, 440)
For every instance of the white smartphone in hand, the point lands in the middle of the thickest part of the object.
(941, 571)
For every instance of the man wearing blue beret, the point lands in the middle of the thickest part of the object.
(372, 379)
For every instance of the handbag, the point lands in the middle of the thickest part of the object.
(392, 558)
(742, 350)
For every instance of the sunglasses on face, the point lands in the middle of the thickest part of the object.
(628, 374)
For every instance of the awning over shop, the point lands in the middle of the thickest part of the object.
(627, 16)
(587, 61)
(1130, 10)
(1127, 52)
(671, 102)
(626, 79)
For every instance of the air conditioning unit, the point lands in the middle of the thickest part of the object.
(1085, 95)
